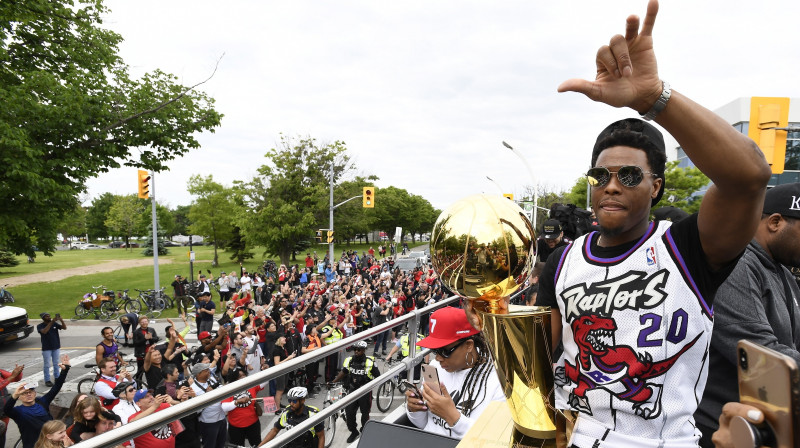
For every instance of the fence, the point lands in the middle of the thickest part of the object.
(158, 419)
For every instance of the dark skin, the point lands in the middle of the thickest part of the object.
(627, 76)
(49, 323)
(297, 406)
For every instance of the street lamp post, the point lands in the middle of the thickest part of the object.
(499, 188)
(533, 179)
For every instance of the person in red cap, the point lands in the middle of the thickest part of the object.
(467, 378)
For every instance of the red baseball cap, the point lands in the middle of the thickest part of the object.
(447, 325)
(203, 335)
(332, 308)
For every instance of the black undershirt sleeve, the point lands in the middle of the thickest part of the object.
(547, 284)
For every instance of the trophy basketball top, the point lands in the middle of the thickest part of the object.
(482, 247)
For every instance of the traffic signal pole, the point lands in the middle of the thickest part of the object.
(330, 219)
(154, 240)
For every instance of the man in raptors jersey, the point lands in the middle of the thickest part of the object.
(632, 303)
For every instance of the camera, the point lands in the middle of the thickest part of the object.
(743, 359)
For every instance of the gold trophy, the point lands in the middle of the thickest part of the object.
(483, 248)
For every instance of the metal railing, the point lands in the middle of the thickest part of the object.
(196, 404)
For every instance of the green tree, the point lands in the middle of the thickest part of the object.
(212, 212)
(180, 217)
(74, 221)
(681, 186)
(238, 246)
(289, 196)
(423, 216)
(351, 219)
(394, 207)
(577, 194)
(148, 245)
(97, 214)
(125, 217)
(71, 110)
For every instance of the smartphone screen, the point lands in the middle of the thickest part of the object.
(430, 377)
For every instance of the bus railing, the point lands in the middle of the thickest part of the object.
(197, 404)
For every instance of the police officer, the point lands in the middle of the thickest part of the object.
(331, 333)
(357, 370)
(296, 413)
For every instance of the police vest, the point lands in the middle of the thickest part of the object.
(404, 349)
(359, 372)
(334, 337)
(289, 419)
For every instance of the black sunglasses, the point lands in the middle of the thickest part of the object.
(447, 352)
(294, 400)
(629, 175)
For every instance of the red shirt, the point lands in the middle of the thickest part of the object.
(163, 437)
(242, 417)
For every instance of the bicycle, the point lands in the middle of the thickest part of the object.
(91, 303)
(155, 305)
(335, 392)
(385, 396)
(5, 295)
(111, 309)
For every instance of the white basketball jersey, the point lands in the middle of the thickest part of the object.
(636, 332)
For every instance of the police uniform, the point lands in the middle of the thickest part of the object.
(332, 361)
(359, 372)
(288, 420)
(636, 325)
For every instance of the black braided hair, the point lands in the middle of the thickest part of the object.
(475, 383)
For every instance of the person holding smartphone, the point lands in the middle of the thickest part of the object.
(466, 377)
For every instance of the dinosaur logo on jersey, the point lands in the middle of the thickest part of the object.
(620, 370)
(633, 290)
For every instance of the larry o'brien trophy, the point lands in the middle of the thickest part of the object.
(483, 248)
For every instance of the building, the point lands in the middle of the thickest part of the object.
(737, 113)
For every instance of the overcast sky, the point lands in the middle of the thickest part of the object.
(424, 92)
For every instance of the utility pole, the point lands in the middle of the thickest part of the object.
(330, 222)
(155, 230)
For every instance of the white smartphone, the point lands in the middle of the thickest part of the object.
(430, 377)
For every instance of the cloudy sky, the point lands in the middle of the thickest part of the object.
(424, 92)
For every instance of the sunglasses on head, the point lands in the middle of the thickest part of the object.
(629, 175)
(447, 352)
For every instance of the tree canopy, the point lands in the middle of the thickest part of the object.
(212, 213)
(71, 110)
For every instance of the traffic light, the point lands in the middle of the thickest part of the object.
(330, 236)
(144, 184)
(767, 114)
(319, 235)
(369, 197)
(509, 196)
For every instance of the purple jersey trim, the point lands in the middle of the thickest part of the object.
(687, 275)
(587, 247)
(561, 263)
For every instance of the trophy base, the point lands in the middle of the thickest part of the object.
(494, 428)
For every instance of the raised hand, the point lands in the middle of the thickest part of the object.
(64, 362)
(627, 73)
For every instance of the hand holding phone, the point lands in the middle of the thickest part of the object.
(430, 377)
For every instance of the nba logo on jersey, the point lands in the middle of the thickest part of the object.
(651, 255)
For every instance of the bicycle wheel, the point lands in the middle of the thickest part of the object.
(330, 430)
(119, 335)
(187, 302)
(86, 386)
(385, 396)
(81, 312)
(133, 306)
(168, 300)
(108, 311)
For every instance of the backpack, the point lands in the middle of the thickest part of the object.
(574, 221)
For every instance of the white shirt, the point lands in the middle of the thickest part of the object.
(214, 412)
(429, 422)
(223, 284)
(253, 358)
(245, 281)
(124, 409)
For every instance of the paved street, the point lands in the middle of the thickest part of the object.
(79, 341)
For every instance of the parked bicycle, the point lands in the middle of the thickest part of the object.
(385, 396)
(335, 392)
(122, 303)
(153, 301)
(5, 295)
(91, 302)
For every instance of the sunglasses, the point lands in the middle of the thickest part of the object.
(447, 352)
(629, 175)
(130, 390)
(294, 400)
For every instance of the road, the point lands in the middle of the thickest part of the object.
(79, 341)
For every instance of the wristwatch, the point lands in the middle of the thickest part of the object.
(660, 103)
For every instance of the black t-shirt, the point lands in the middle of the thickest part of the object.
(687, 239)
(543, 251)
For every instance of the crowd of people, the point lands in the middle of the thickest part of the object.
(261, 321)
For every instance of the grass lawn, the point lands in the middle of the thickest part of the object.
(63, 296)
